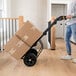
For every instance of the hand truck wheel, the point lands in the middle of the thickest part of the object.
(34, 51)
(30, 59)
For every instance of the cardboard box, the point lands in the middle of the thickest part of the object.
(23, 40)
(29, 33)
(16, 47)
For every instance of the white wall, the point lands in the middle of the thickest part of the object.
(60, 1)
(0, 4)
(33, 10)
(36, 11)
(7, 8)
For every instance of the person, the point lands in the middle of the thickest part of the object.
(70, 28)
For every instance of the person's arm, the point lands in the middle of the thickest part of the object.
(69, 16)
(72, 10)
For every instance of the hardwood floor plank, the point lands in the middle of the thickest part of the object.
(48, 64)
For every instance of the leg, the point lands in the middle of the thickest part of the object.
(73, 27)
(67, 39)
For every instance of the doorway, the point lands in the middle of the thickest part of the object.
(59, 10)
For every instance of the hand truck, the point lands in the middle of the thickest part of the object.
(30, 57)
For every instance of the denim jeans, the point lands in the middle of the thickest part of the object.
(70, 31)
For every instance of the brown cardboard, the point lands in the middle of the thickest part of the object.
(16, 47)
(29, 33)
(11, 43)
(23, 40)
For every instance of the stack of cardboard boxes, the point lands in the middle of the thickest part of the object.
(21, 42)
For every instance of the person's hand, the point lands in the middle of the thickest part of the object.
(69, 17)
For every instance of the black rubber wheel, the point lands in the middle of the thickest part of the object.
(34, 51)
(30, 59)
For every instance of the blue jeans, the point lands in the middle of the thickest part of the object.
(70, 31)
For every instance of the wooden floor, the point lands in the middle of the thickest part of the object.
(48, 64)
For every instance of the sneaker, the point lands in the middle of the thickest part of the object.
(74, 60)
(67, 57)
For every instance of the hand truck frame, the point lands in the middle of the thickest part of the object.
(30, 57)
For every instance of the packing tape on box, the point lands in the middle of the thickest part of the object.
(12, 50)
(33, 28)
(23, 39)
(19, 43)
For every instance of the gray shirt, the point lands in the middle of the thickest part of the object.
(72, 11)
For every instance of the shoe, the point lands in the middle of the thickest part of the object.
(74, 60)
(67, 57)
